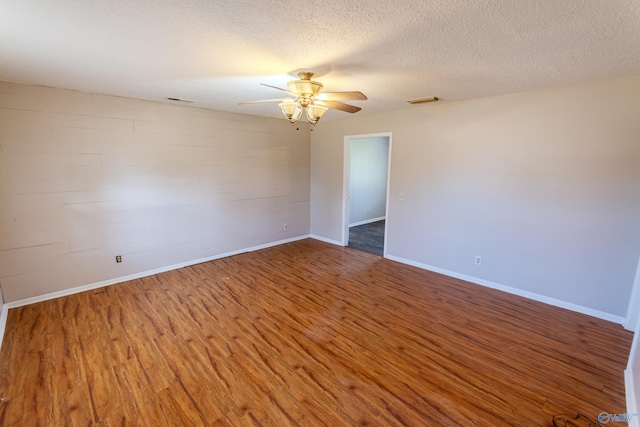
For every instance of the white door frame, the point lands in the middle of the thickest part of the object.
(632, 318)
(345, 185)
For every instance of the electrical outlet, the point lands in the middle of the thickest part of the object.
(118, 258)
(286, 227)
(478, 260)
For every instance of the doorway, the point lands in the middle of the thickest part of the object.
(367, 160)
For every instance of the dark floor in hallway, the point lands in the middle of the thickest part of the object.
(368, 237)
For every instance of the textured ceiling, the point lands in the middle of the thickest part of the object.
(217, 52)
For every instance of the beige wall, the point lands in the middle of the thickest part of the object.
(369, 162)
(544, 185)
(86, 177)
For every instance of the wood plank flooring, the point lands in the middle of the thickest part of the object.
(305, 333)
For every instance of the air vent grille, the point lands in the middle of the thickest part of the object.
(180, 100)
(423, 100)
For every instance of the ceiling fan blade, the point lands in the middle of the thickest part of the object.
(279, 88)
(341, 106)
(347, 96)
(262, 100)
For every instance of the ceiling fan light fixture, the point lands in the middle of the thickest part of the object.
(292, 111)
(315, 112)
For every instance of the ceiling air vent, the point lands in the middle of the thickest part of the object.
(423, 100)
(180, 100)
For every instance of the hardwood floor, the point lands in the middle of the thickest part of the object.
(305, 333)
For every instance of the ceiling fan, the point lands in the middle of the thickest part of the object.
(305, 94)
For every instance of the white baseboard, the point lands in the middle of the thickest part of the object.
(632, 401)
(508, 289)
(515, 291)
(324, 239)
(109, 282)
(367, 221)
